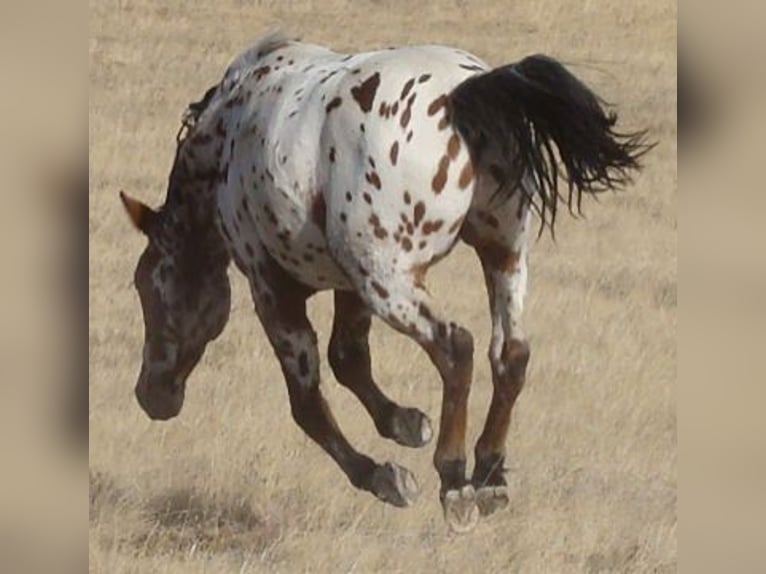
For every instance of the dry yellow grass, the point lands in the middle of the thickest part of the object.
(233, 485)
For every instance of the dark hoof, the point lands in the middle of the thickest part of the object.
(460, 510)
(410, 427)
(394, 484)
(490, 499)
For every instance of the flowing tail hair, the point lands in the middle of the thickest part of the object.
(522, 110)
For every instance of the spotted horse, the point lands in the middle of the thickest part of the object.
(315, 170)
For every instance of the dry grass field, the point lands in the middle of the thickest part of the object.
(233, 485)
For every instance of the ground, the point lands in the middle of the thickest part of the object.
(233, 485)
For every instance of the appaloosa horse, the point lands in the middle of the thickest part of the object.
(316, 170)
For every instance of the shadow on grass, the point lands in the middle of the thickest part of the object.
(185, 520)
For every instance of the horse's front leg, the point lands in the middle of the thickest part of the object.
(280, 303)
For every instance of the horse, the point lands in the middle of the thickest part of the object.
(314, 170)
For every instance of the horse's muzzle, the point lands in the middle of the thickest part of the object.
(160, 400)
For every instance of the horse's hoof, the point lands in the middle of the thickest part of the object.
(460, 510)
(394, 484)
(410, 427)
(490, 499)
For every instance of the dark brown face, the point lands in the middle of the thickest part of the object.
(184, 307)
(168, 356)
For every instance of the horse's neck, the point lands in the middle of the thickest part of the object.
(190, 207)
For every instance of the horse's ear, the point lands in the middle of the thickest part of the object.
(142, 216)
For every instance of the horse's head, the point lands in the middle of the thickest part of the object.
(184, 292)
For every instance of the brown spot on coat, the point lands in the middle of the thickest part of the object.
(425, 312)
(453, 146)
(424, 78)
(407, 114)
(405, 119)
(493, 254)
(364, 94)
(373, 179)
(394, 153)
(466, 175)
(406, 244)
(440, 179)
(380, 290)
(262, 71)
(332, 155)
(489, 219)
(499, 257)
(455, 226)
(437, 104)
(378, 230)
(407, 198)
(420, 211)
(328, 76)
(272, 218)
(284, 237)
(406, 89)
(319, 212)
(334, 103)
(432, 226)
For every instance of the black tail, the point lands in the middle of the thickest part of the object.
(521, 109)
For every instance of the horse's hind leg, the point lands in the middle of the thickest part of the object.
(280, 302)
(349, 355)
(405, 306)
(502, 251)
